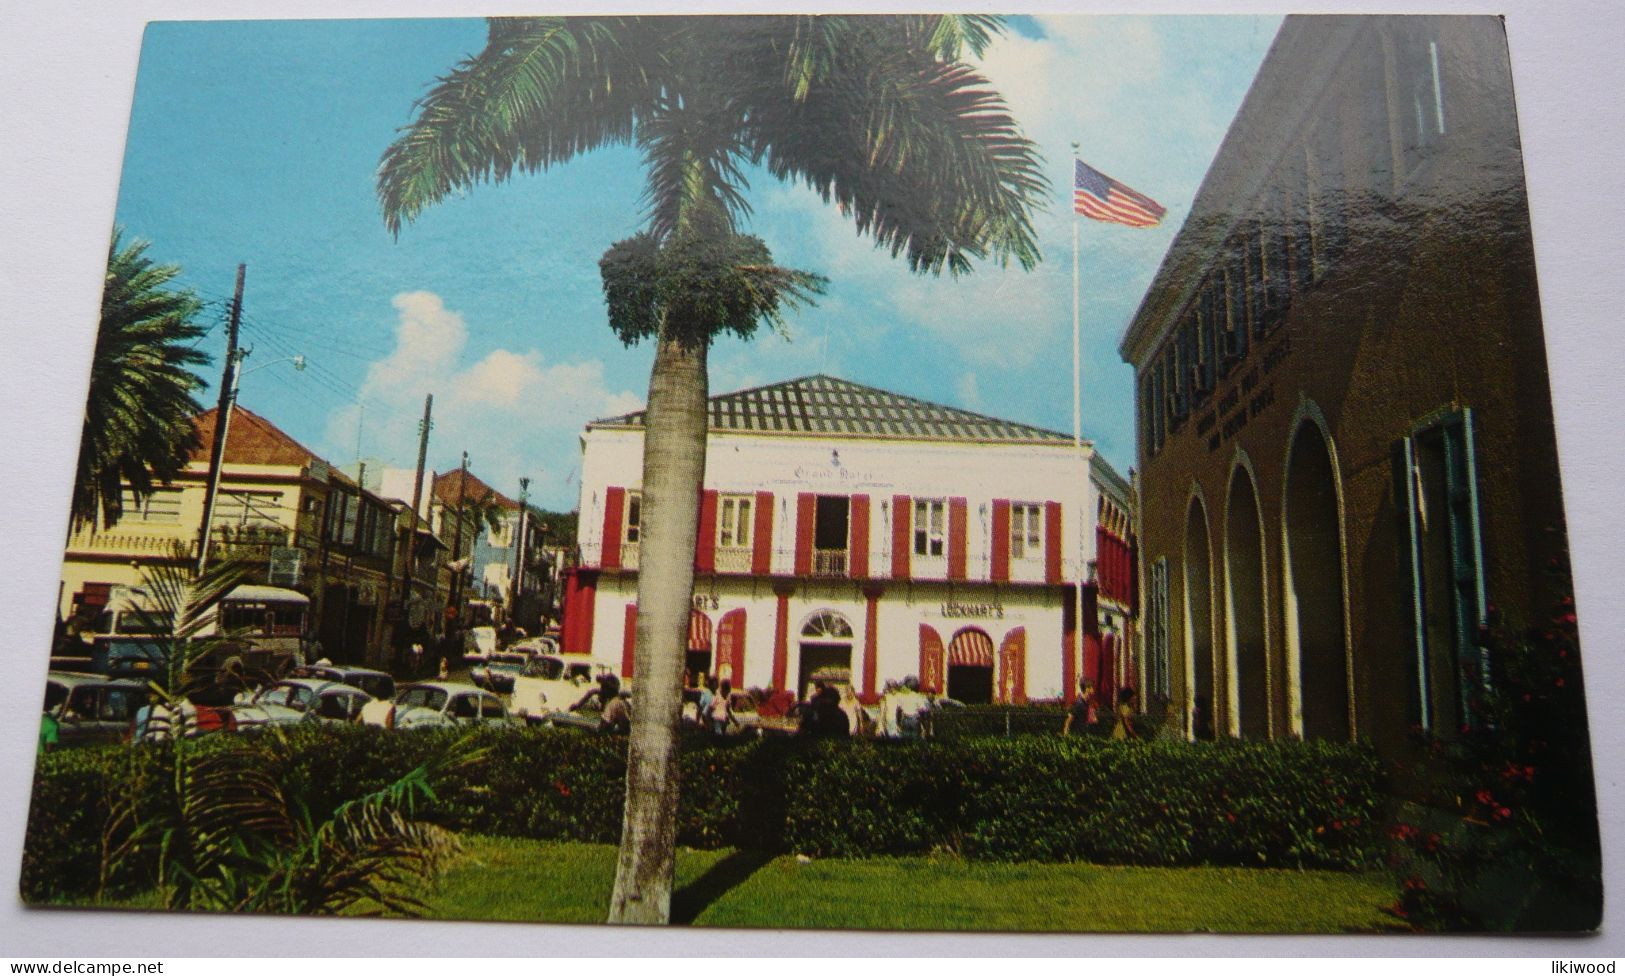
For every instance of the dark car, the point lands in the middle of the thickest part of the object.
(92, 708)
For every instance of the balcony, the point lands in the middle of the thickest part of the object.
(629, 555)
(133, 543)
(733, 560)
(829, 562)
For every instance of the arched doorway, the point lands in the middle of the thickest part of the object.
(826, 650)
(698, 660)
(1313, 577)
(970, 667)
(1199, 621)
(1244, 600)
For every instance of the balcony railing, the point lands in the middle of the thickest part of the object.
(829, 562)
(732, 560)
(133, 543)
(629, 555)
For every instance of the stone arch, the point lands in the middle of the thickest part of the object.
(1246, 648)
(970, 676)
(1313, 583)
(1201, 698)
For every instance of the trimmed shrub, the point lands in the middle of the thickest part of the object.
(1029, 797)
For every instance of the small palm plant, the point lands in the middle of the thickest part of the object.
(216, 821)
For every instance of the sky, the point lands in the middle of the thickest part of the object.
(257, 142)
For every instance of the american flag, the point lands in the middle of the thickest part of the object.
(1096, 195)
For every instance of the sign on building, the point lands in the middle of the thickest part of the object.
(286, 566)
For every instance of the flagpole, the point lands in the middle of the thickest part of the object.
(1077, 433)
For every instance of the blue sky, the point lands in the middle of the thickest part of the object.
(258, 141)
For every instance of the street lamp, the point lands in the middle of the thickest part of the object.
(212, 486)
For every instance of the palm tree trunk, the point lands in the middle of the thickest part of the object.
(673, 471)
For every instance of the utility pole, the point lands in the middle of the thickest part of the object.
(457, 539)
(222, 420)
(417, 498)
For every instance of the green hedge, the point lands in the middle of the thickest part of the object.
(1029, 797)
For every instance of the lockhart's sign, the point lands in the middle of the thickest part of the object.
(985, 611)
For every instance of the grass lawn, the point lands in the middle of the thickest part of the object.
(519, 880)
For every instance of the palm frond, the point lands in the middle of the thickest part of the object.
(543, 91)
(138, 430)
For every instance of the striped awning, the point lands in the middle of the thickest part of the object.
(971, 648)
(699, 631)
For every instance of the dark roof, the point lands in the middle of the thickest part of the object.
(447, 488)
(822, 404)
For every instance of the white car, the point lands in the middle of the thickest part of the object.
(548, 684)
(293, 701)
(436, 703)
(478, 644)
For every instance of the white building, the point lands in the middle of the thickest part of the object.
(845, 527)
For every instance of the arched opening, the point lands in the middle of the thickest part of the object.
(1244, 599)
(970, 667)
(1314, 586)
(1199, 620)
(698, 660)
(826, 651)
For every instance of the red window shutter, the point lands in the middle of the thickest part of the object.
(1102, 561)
(614, 503)
(1012, 688)
(999, 558)
(580, 596)
(806, 511)
(1052, 542)
(731, 645)
(957, 541)
(1069, 641)
(705, 547)
(629, 641)
(761, 556)
(858, 559)
(1133, 576)
(902, 528)
(932, 676)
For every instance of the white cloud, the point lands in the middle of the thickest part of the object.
(514, 412)
(969, 396)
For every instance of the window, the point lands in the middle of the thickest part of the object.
(1159, 672)
(734, 521)
(162, 507)
(1441, 569)
(930, 527)
(634, 517)
(248, 508)
(1026, 531)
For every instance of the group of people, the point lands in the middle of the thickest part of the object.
(1084, 716)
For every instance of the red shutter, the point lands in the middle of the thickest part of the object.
(580, 596)
(761, 556)
(1133, 576)
(1052, 542)
(781, 640)
(999, 558)
(1069, 640)
(902, 545)
(629, 641)
(931, 663)
(858, 559)
(1013, 667)
(1103, 562)
(731, 645)
(705, 547)
(871, 643)
(806, 512)
(614, 502)
(957, 541)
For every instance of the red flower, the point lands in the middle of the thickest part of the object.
(564, 790)
(1560, 682)
(1503, 813)
(1485, 797)
(1337, 825)
(1433, 842)
(1230, 816)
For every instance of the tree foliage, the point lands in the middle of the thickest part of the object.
(138, 430)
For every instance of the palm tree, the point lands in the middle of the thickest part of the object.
(877, 114)
(139, 415)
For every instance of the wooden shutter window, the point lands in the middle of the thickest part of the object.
(629, 641)
(806, 512)
(614, 505)
(761, 556)
(859, 537)
(958, 522)
(1052, 542)
(902, 542)
(705, 547)
(999, 558)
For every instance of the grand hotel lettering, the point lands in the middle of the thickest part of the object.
(1244, 401)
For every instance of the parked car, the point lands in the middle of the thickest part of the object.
(91, 708)
(548, 683)
(293, 701)
(378, 684)
(478, 644)
(500, 669)
(435, 703)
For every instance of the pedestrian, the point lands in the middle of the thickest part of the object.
(703, 700)
(720, 710)
(1124, 729)
(49, 732)
(857, 719)
(417, 659)
(909, 708)
(617, 715)
(1084, 715)
(828, 721)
